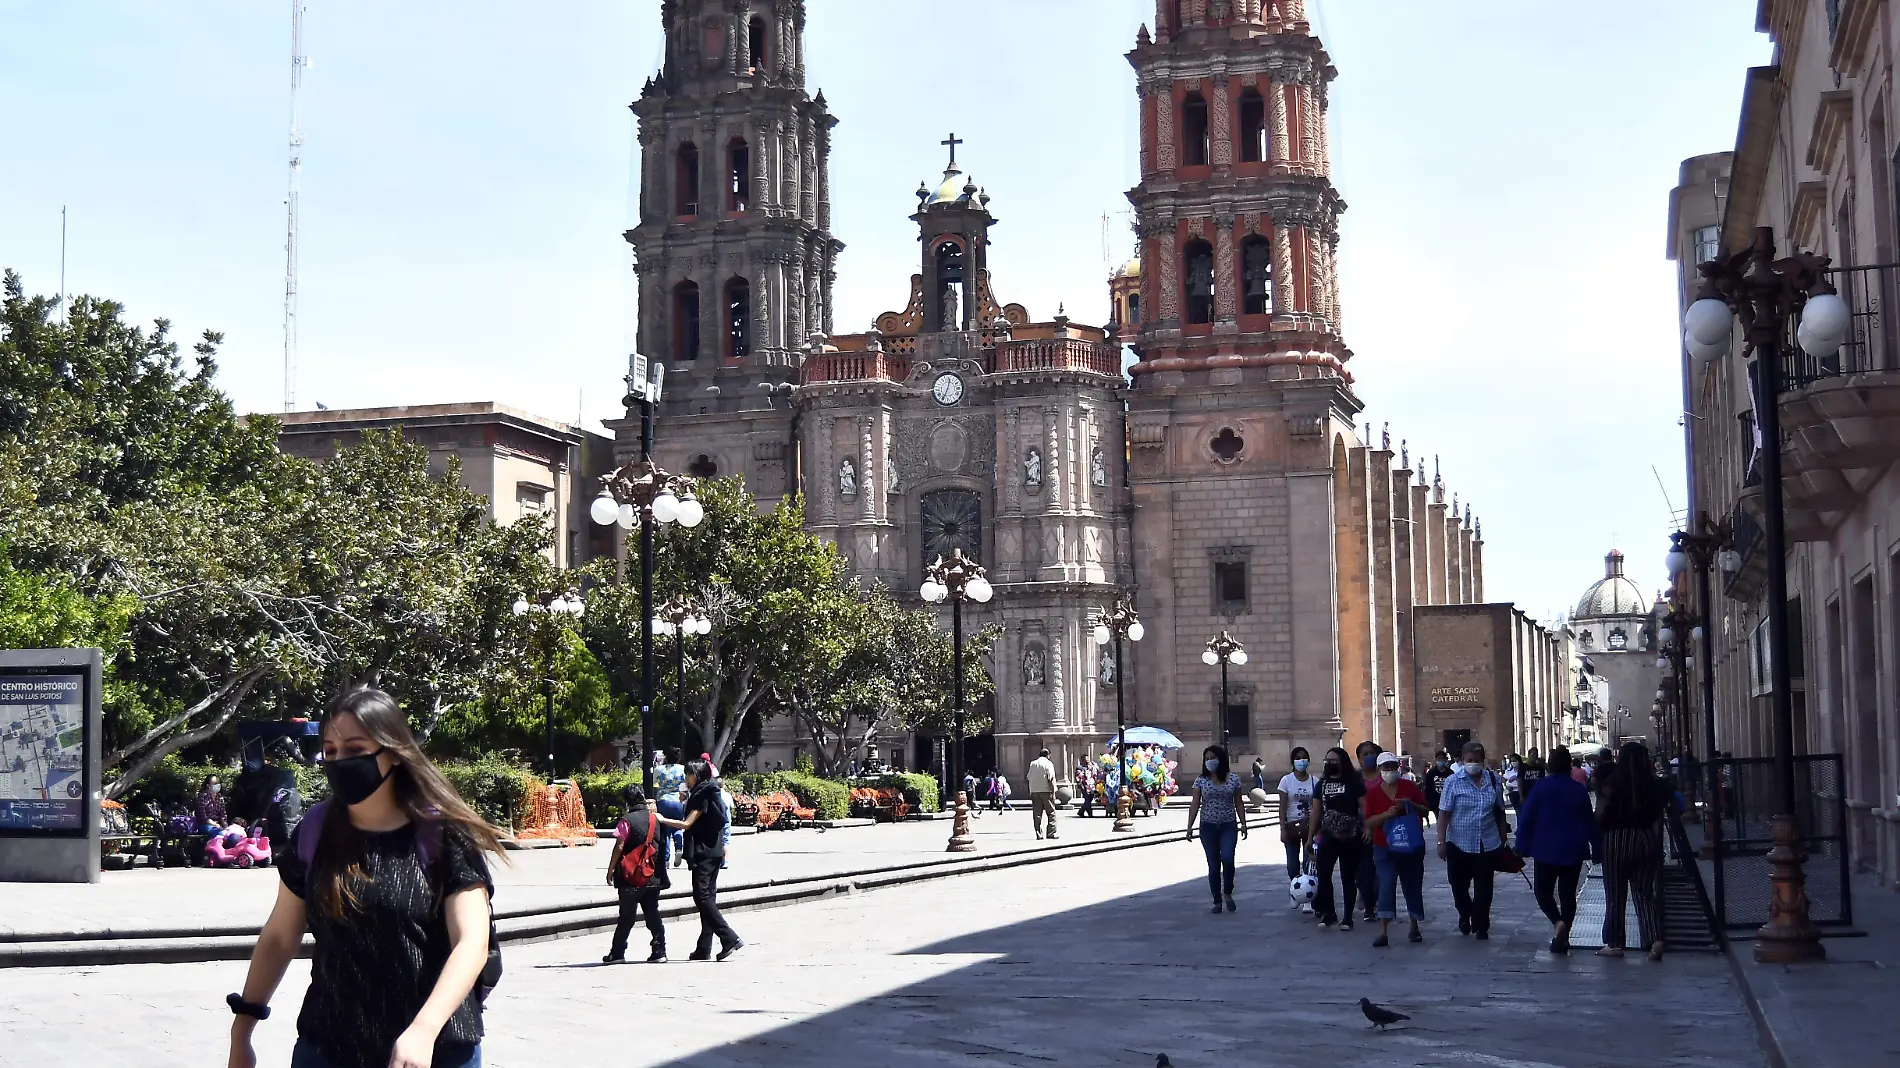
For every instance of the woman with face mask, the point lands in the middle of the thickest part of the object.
(1336, 827)
(207, 810)
(705, 855)
(1296, 802)
(1392, 808)
(1367, 753)
(1223, 814)
(1471, 830)
(395, 890)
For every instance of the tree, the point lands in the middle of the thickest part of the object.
(892, 668)
(769, 587)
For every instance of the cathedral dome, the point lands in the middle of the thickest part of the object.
(952, 189)
(1612, 595)
(1131, 269)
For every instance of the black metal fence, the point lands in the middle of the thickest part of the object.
(1750, 799)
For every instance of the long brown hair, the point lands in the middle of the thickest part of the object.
(337, 872)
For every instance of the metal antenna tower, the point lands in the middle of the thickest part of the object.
(298, 61)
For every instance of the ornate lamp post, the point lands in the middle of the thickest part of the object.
(1764, 292)
(1701, 551)
(1117, 623)
(554, 608)
(1221, 649)
(681, 618)
(644, 493)
(957, 580)
(1392, 713)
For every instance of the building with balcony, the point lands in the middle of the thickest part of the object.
(1814, 158)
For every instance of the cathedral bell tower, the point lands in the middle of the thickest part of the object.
(1241, 413)
(733, 247)
(954, 228)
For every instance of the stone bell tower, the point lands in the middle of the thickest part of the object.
(1241, 416)
(733, 248)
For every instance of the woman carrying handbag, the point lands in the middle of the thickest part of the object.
(1392, 807)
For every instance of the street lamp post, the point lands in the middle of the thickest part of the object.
(957, 580)
(1763, 292)
(1392, 713)
(681, 618)
(1700, 550)
(1221, 649)
(1119, 622)
(560, 604)
(642, 492)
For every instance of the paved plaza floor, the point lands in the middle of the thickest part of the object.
(1101, 960)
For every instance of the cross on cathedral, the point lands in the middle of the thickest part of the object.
(953, 142)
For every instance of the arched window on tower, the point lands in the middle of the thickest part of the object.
(685, 322)
(1194, 131)
(1134, 309)
(1256, 275)
(1253, 126)
(755, 43)
(954, 315)
(738, 318)
(1197, 281)
(738, 174)
(686, 181)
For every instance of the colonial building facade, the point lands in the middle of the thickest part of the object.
(1814, 158)
(1222, 484)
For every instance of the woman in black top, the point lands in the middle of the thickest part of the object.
(629, 836)
(396, 895)
(705, 854)
(1335, 821)
(1629, 813)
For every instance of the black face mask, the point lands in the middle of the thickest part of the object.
(1332, 769)
(353, 779)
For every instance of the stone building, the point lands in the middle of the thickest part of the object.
(524, 464)
(1615, 625)
(1226, 487)
(1814, 158)
(1486, 673)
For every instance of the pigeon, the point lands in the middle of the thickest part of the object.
(1380, 1017)
(1162, 1061)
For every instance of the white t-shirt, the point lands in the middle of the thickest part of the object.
(1299, 796)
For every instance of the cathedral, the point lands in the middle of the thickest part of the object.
(1221, 482)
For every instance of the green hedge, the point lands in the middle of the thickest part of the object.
(920, 790)
(492, 786)
(173, 781)
(830, 799)
(600, 792)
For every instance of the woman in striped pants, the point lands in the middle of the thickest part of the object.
(1630, 813)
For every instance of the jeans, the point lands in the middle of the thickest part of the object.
(1556, 889)
(1343, 852)
(306, 1055)
(1295, 845)
(1400, 870)
(1470, 875)
(706, 901)
(1041, 805)
(1218, 841)
(632, 903)
(673, 810)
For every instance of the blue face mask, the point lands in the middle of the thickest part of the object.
(1300, 764)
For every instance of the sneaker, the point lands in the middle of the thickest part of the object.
(1216, 908)
(613, 958)
(700, 954)
(1482, 936)
(1380, 942)
(1325, 922)
(1464, 925)
(729, 950)
(1346, 924)
(1231, 906)
(1306, 908)
(658, 957)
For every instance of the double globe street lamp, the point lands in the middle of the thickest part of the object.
(644, 493)
(563, 605)
(1221, 649)
(1762, 292)
(957, 579)
(1120, 622)
(681, 618)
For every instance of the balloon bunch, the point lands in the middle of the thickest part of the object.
(1149, 770)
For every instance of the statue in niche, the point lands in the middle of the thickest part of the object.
(848, 478)
(1033, 666)
(1106, 668)
(1098, 467)
(1032, 468)
(890, 474)
(953, 307)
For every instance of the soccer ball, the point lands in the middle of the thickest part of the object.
(1305, 888)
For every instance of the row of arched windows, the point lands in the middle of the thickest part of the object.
(735, 338)
(1250, 130)
(737, 187)
(1200, 284)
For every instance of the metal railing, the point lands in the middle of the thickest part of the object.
(1873, 342)
(1053, 354)
(1743, 836)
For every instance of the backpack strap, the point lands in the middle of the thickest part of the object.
(307, 839)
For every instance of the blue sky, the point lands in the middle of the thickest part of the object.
(468, 167)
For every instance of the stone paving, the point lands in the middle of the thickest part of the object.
(1103, 960)
(196, 899)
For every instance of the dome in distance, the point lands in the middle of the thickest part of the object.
(951, 190)
(1612, 595)
(1131, 269)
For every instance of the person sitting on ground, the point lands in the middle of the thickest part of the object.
(207, 810)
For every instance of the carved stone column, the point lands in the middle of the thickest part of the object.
(1226, 277)
(1058, 714)
(1284, 298)
(1170, 281)
(1012, 488)
(761, 166)
(827, 472)
(1325, 160)
(788, 166)
(1277, 115)
(1052, 458)
(872, 473)
(1150, 100)
(1309, 123)
(808, 185)
(824, 187)
(795, 303)
(1223, 147)
(1165, 149)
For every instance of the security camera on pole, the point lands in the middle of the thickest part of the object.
(642, 492)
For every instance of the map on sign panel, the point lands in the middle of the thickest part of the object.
(42, 753)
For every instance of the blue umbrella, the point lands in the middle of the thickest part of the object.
(1148, 736)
